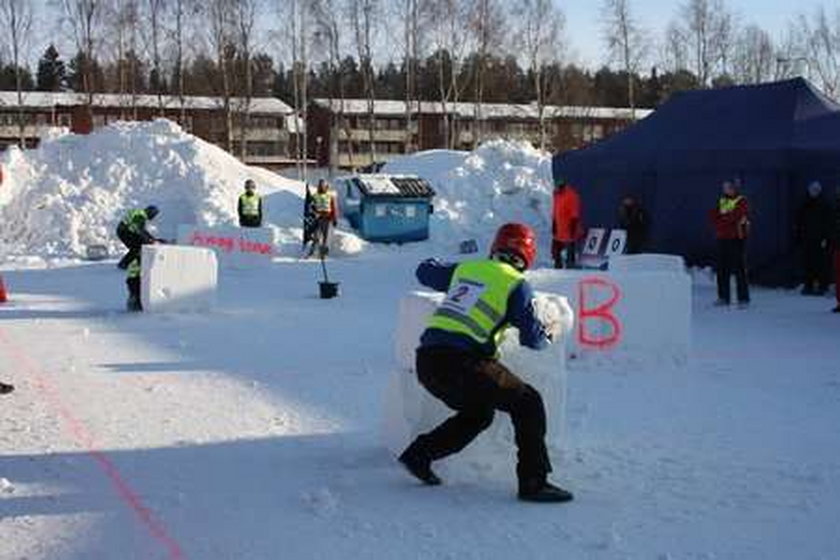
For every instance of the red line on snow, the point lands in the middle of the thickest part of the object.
(83, 437)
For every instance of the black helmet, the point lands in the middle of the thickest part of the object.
(152, 211)
(250, 184)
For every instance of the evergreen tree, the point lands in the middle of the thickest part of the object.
(52, 75)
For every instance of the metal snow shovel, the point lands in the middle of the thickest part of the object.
(327, 289)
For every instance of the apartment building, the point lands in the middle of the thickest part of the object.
(339, 131)
(271, 132)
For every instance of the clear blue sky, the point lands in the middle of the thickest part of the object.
(583, 27)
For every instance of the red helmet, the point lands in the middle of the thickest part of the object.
(518, 239)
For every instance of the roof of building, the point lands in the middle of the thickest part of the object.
(49, 99)
(403, 186)
(488, 110)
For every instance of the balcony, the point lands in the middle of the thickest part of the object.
(362, 135)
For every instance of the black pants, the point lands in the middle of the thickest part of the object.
(250, 221)
(321, 237)
(475, 387)
(732, 260)
(133, 285)
(557, 250)
(133, 243)
(815, 261)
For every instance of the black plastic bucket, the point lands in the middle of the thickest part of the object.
(328, 289)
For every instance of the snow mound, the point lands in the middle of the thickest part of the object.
(72, 191)
(501, 181)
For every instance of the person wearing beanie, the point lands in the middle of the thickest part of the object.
(812, 233)
(732, 226)
(835, 241)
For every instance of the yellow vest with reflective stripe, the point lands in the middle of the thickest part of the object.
(321, 202)
(727, 205)
(476, 303)
(134, 269)
(250, 204)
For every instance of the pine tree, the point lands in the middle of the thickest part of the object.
(52, 75)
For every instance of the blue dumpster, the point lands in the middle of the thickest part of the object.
(386, 208)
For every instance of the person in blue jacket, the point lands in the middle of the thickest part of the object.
(457, 360)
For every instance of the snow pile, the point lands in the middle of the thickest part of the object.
(72, 191)
(501, 181)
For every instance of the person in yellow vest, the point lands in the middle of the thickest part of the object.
(133, 233)
(326, 215)
(457, 360)
(250, 206)
(730, 219)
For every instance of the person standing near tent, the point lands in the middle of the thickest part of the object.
(813, 229)
(457, 360)
(835, 238)
(633, 219)
(132, 232)
(731, 222)
(249, 207)
(566, 226)
(326, 215)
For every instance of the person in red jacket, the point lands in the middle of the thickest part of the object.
(566, 227)
(731, 222)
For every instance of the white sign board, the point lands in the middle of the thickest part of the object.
(594, 238)
(616, 243)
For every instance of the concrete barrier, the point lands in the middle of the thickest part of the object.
(176, 278)
(411, 410)
(234, 246)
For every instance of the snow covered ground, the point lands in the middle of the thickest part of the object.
(253, 432)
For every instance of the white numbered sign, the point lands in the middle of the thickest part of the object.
(463, 295)
(594, 237)
(616, 242)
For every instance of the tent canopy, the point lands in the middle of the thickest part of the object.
(775, 138)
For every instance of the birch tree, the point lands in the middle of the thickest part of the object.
(626, 42)
(16, 18)
(540, 31)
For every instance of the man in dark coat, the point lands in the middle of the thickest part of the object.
(813, 229)
(633, 219)
(835, 238)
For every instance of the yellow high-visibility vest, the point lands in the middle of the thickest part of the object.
(250, 204)
(476, 303)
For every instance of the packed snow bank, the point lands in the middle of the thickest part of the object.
(73, 190)
(478, 191)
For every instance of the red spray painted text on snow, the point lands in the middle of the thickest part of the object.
(229, 244)
(598, 327)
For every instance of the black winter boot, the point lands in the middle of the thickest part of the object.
(419, 466)
(542, 491)
(6, 388)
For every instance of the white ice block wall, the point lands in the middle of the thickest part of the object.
(648, 298)
(234, 246)
(176, 278)
(411, 410)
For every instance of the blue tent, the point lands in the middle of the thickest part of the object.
(775, 138)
